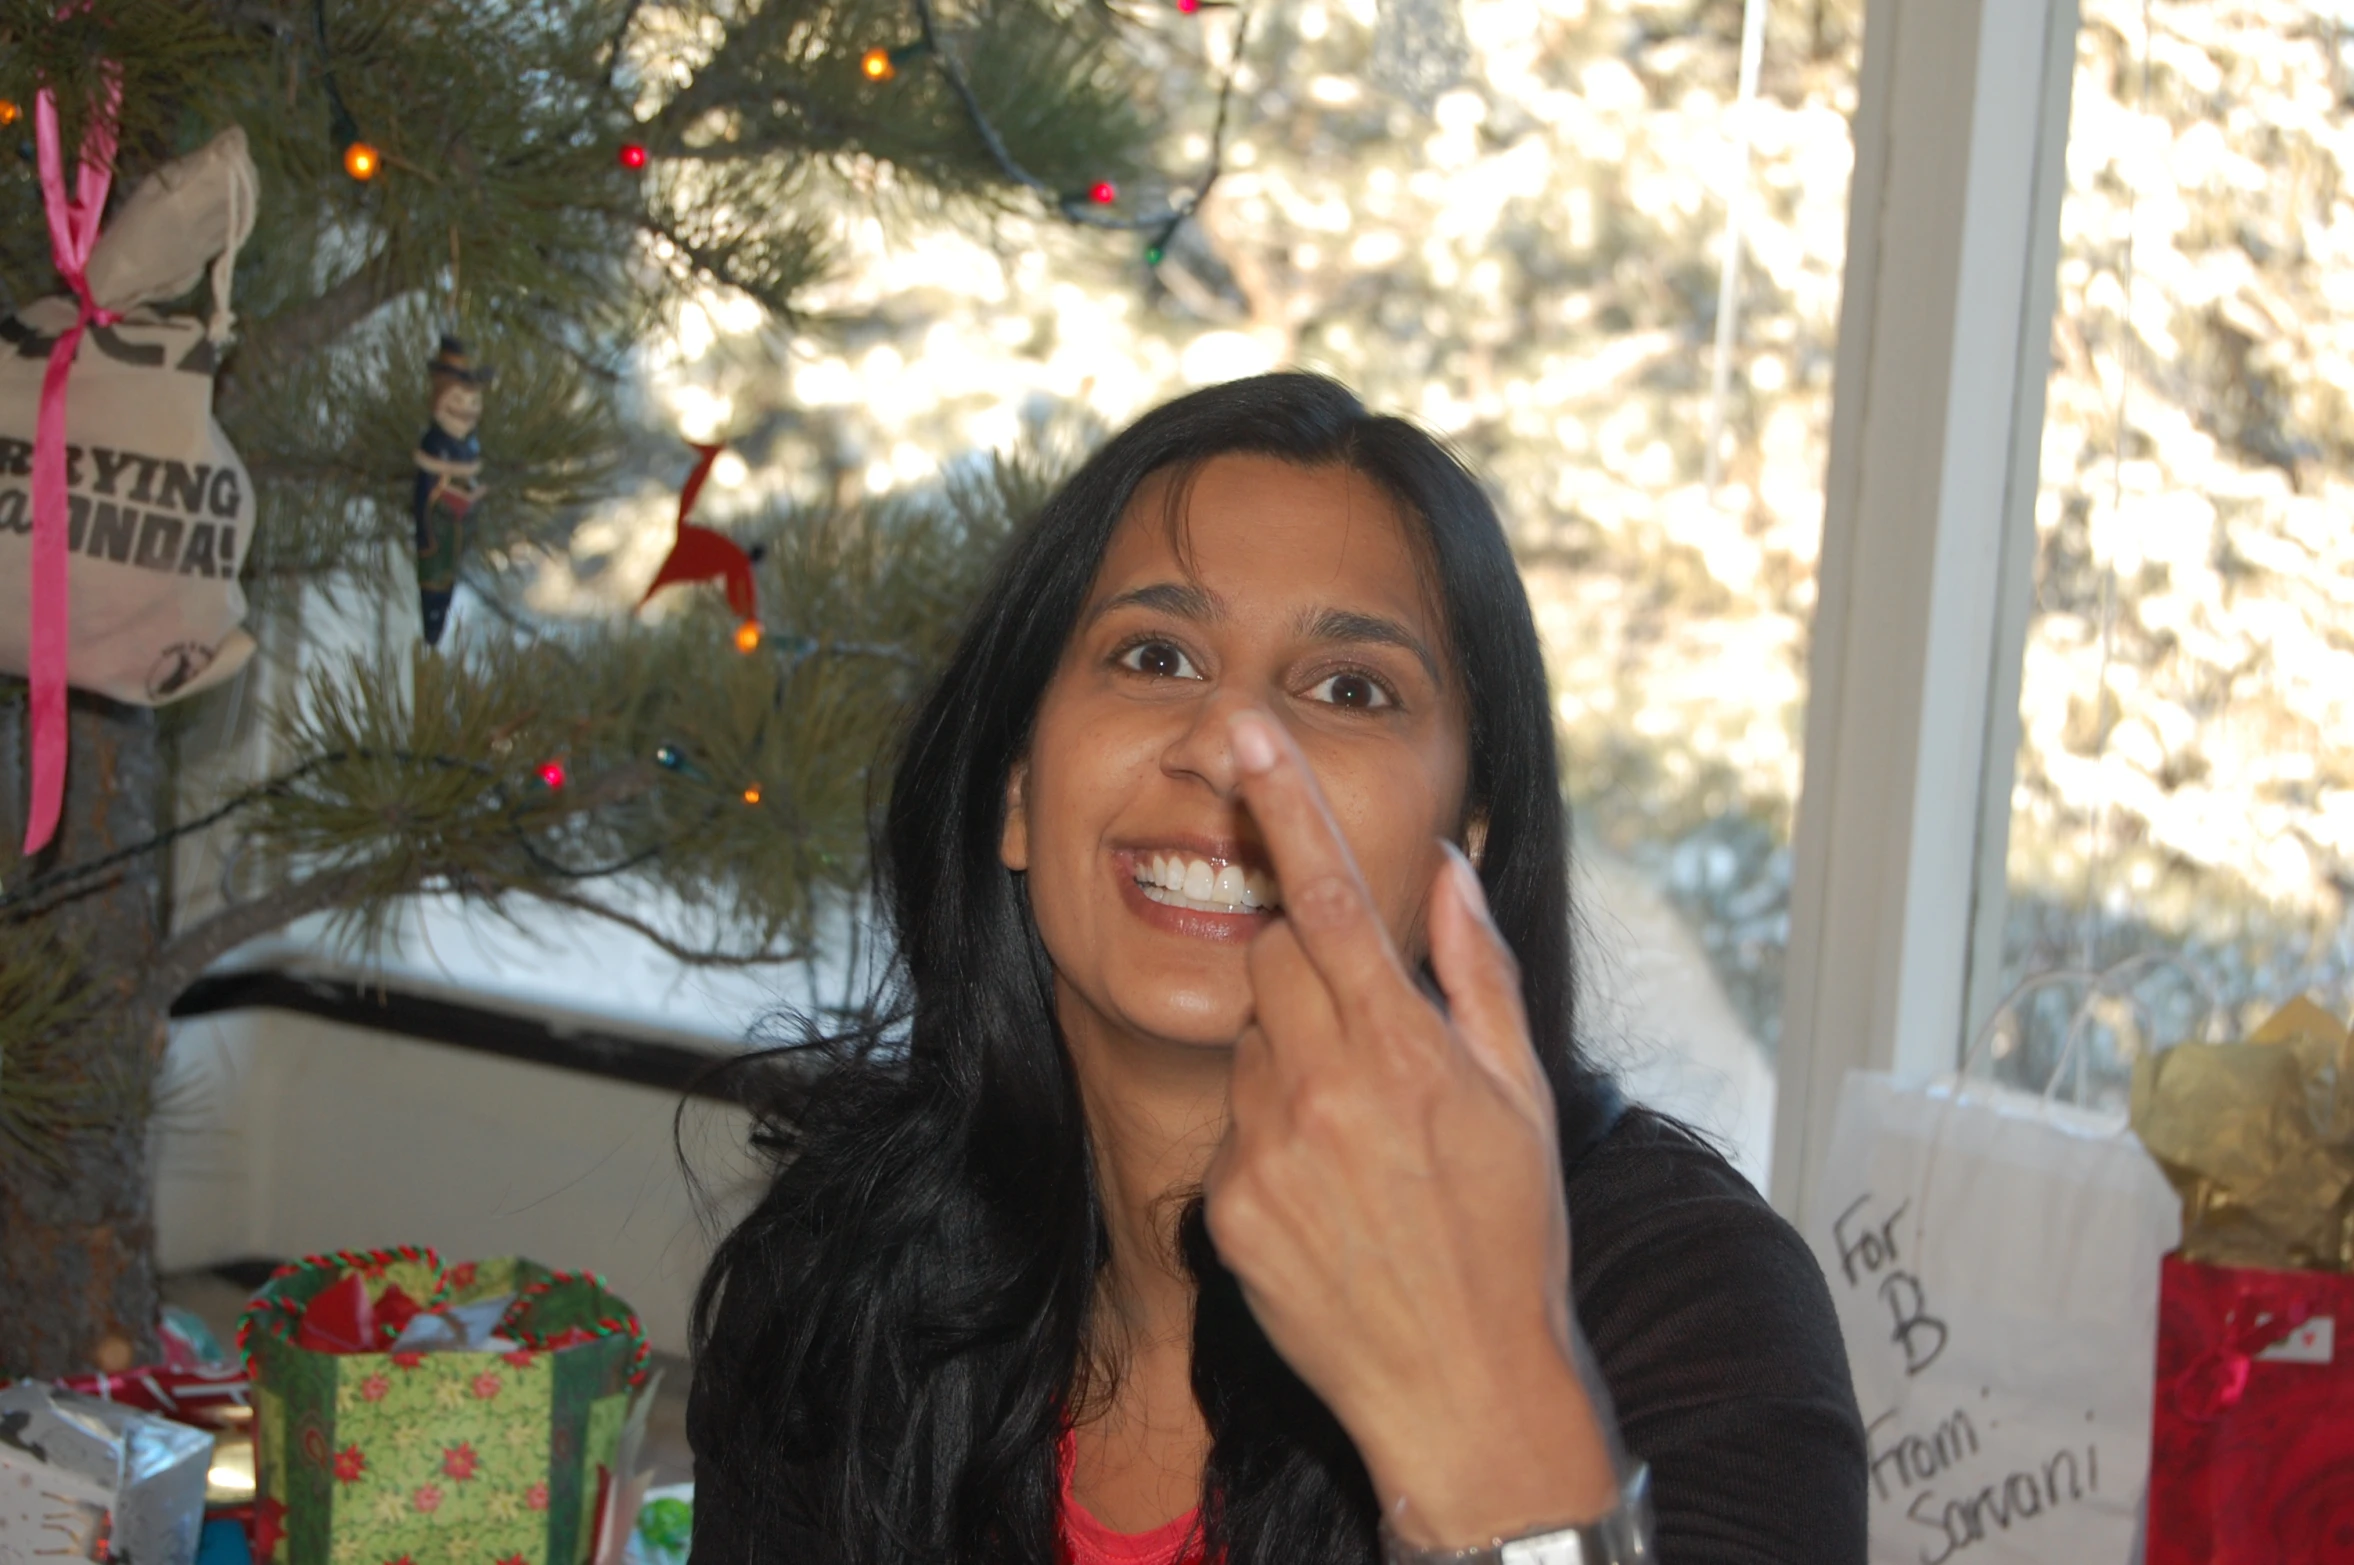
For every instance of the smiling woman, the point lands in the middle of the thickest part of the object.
(1228, 1185)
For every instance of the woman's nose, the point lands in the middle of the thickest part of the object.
(1202, 748)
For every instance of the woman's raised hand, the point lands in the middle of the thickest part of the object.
(1389, 1191)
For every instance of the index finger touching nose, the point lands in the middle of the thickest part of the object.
(1324, 898)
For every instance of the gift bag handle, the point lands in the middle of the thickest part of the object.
(2139, 962)
(2095, 985)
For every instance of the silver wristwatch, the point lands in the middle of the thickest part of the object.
(1623, 1537)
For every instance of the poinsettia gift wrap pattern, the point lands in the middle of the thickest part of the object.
(2252, 1449)
(443, 1456)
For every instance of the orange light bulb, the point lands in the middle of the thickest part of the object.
(748, 636)
(8, 112)
(361, 161)
(876, 63)
(752, 794)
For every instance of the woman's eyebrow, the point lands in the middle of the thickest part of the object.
(1350, 625)
(1183, 599)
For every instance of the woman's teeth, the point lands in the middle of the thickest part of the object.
(1178, 881)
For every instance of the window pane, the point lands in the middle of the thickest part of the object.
(2186, 774)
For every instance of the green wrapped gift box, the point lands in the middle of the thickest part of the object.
(495, 1455)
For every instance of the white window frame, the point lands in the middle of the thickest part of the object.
(1926, 573)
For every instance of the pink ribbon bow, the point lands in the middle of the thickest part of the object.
(2214, 1382)
(73, 232)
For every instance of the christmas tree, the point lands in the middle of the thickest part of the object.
(469, 218)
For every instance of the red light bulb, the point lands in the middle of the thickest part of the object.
(1103, 192)
(552, 773)
(1189, 6)
(633, 155)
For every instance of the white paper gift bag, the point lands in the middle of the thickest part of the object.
(1994, 1259)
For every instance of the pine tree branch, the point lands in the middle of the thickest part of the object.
(821, 130)
(306, 329)
(710, 88)
(617, 49)
(929, 26)
(691, 956)
(711, 264)
(187, 955)
(816, 131)
(1072, 206)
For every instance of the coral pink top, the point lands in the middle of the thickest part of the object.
(1086, 1541)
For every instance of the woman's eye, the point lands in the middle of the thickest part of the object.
(1159, 659)
(1359, 692)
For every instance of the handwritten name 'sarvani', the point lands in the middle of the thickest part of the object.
(1905, 1462)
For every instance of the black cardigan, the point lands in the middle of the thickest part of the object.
(1713, 1330)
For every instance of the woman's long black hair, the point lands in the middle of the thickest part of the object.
(885, 1346)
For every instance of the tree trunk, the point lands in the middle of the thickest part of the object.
(77, 1243)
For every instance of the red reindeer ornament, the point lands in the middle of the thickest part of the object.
(700, 554)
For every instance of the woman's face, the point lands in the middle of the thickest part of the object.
(1297, 590)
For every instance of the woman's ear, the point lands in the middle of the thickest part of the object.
(1013, 846)
(1475, 840)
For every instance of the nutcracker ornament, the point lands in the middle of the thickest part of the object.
(449, 465)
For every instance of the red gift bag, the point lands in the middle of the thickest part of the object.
(2252, 1446)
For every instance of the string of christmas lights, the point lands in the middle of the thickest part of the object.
(627, 862)
(361, 160)
(67, 876)
(1087, 207)
(554, 775)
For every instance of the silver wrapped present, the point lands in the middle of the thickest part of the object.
(82, 1479)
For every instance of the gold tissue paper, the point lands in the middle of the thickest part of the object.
(2258, 1140)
